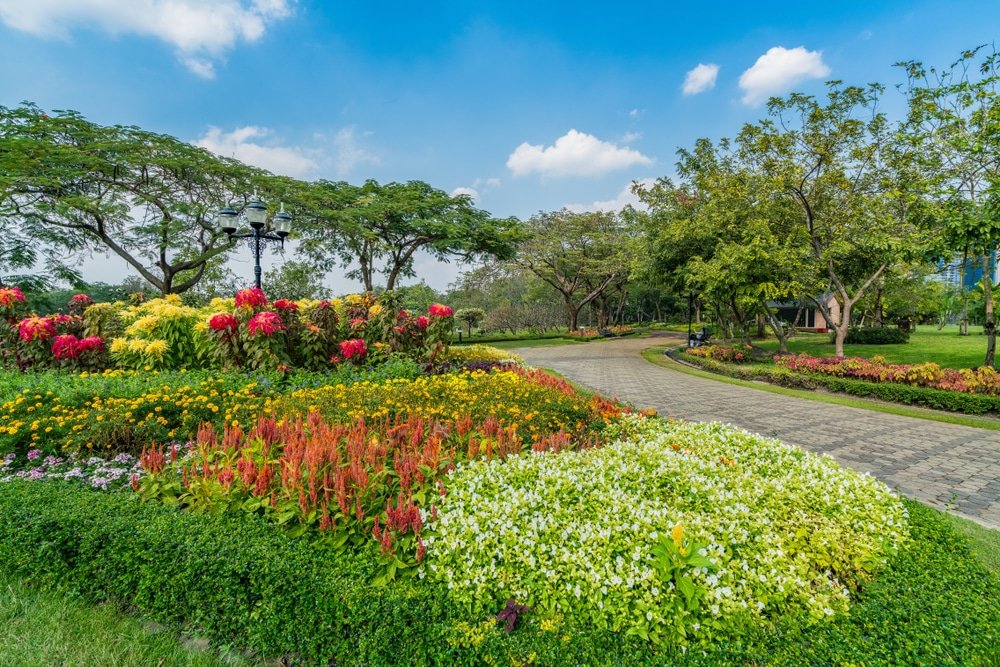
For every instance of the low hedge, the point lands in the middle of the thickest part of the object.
(875, 336)
(938, 399)
(247, 585)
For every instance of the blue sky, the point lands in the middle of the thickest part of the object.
(525, 106)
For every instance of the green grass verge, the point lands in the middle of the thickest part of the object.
(46, 628)
(945, 348)
(535, 342)
(655, 355)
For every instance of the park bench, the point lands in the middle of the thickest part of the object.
(698, 339)
(606, 333)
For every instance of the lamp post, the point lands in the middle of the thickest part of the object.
(260, 232)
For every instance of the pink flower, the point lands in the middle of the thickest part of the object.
(265, 323)
(352, 348)
(10, 295)
(286, 304)
(422, 321)
(90, 343)
(80, 300)
(440, 310)
(36, 328)
(65, 347)
(224, 322)
(250, 298)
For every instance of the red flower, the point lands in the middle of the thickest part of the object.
(357, 323)
(422, 321)
(265, 323)
(90, 343)
(250, 298)
(286, 304)
(10, 295)
(80, 300)
(352, 348)
(66, 347)
(224, 322)
(36, 328)
(440, 310)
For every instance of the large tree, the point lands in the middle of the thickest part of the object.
(379, 229)
(955, 120)
(580, 255)
(148, 198)
(852, 180)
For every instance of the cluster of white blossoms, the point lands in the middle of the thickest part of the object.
(571, 534)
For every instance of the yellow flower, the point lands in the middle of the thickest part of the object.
(156, 348)
(678, 536)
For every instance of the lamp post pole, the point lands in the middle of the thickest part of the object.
(260, 232)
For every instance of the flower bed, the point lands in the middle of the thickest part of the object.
(675, 533)
(982, 380)
(735, 354)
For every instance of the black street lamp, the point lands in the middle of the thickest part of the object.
(256, 216)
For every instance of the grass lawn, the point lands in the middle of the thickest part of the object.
(534, 342)
(945, 347)
(45, 629)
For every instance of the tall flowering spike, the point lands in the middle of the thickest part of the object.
(249, 299)
(440, 310)
(265, 323)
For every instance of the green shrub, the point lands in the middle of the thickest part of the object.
(875, 336)
(246, 584)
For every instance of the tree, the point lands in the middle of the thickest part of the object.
(380, 228)
(955, 121)
(148, 198)
(293, 280)
(580, 255)
(471, 317)
(853, 182)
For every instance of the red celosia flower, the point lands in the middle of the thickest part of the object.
(440, 310)
(10, 295)
(36, 328)
(286, 304)
(65, 347)
(422, 321)
(352, 348)
(265, 323)
(250, 298)
(224, 322)
(80, 300)
(90, 343)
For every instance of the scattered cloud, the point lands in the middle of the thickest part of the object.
(201, 32)
(487, 182)
(629, 137)
(700, 79)
(573, 154)
(349, 153)
(778, 70)
(635, 113)
(246, 145)
(472, 193)
(624, 198)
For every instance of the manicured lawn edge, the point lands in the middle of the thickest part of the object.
(245, 584)
(656, 355)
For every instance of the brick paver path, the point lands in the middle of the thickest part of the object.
(951, 467)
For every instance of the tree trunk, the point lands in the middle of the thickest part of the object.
(963, 324)
(572, 316)
(840, 328)
(989, 327)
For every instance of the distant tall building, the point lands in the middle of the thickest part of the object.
(950, 273)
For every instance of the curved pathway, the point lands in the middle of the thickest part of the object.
(956, 468)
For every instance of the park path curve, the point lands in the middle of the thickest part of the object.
(952, 467)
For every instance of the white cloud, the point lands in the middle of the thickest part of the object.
(573, 154)
(487, 182)
(778, 70)
(349, 154)
(629, 137)
(244, 144)
(635, 113)
(700, 79)
(471, 192)
(200, 31)
(625, 198)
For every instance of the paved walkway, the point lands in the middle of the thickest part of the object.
(948, 466)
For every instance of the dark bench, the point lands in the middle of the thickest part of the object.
(606, 333)
(698, 339)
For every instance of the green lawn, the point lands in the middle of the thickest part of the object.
(49, 629)
(944, 347)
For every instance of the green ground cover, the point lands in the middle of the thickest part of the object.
(945, 348)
